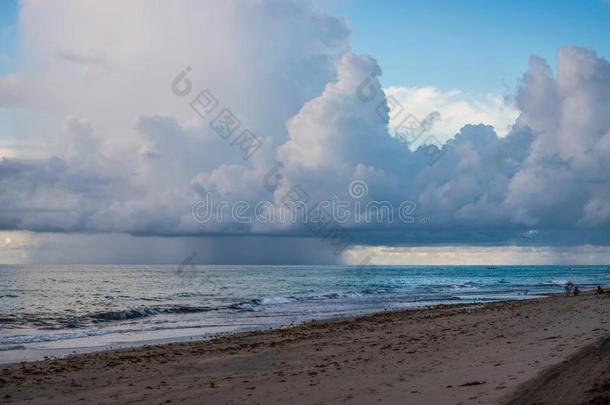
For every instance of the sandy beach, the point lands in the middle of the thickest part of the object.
(544, 351)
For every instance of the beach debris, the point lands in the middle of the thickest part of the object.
(470, 384)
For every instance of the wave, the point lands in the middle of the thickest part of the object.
(143, 312)
(275, 300)
(335, 296)
(245, 305)
(465, 287)
(72, 322)
(385, 294)
(251, 305)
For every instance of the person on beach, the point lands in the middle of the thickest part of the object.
(600, 290)
(568, 288)
(576, 291)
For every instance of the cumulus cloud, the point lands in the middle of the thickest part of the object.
(455, 109)
(337, 138)
(564, 180)
(130, 156)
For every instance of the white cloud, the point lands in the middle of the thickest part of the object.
(132, 157)
(456, 109)
(566, 175)
(10, 86)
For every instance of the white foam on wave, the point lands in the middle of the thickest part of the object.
(275, 300)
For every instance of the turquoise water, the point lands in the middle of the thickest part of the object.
(66, 307)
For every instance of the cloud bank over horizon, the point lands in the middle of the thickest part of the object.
(121, 152)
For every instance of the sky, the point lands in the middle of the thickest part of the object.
(428, 132)
(8, 35)
(486, 43)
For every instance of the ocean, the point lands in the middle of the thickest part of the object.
(58, 310)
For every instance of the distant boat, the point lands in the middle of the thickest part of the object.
(491, 267)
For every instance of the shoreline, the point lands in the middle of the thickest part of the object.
(442, 354)
(62, 353)
(32, 354)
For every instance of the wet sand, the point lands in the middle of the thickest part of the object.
(498, 353)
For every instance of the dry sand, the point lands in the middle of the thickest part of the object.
(582, 379)
(511, 351)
